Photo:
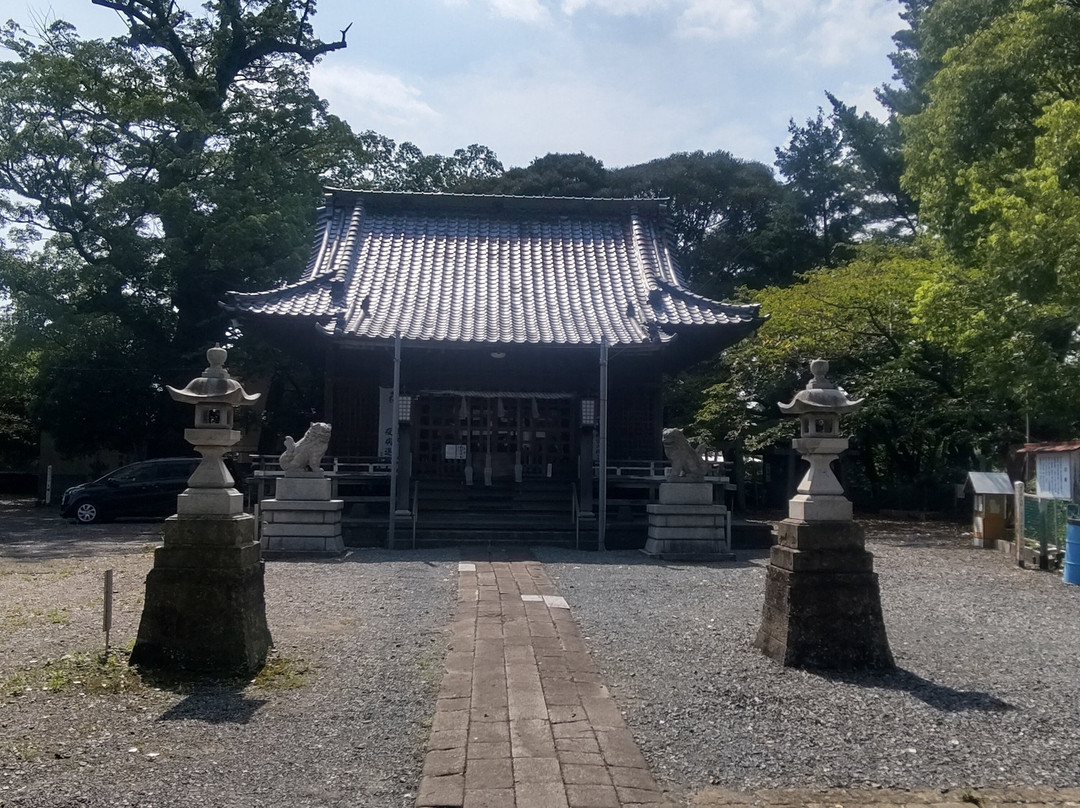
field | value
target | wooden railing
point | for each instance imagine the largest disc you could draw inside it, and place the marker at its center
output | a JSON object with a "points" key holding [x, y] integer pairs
{"points": [[342, 472]]}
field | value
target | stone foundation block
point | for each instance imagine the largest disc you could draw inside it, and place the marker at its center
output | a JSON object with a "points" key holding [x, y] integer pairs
{"points": [[688, 532], [303, 488], [210, 502], [301, 506], [205, 608], [299, 527], [290, 529], [708, 533], [820, 508], [787, 558], [686, 493], [215, 531], [689, 550], [820, 535], [822, 600]]}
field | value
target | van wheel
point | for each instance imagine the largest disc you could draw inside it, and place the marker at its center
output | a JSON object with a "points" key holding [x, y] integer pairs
{"points": [[87, 513]]}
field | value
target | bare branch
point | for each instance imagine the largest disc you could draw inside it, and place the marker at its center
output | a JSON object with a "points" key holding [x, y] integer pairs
{"points": [[158, 23]]}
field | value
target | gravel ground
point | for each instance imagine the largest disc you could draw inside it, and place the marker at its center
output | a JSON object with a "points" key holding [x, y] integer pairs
{"points": [[359, 648], [987, 690]]}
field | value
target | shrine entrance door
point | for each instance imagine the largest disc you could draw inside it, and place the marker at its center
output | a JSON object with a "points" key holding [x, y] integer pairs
{"points": [[499, 436]]}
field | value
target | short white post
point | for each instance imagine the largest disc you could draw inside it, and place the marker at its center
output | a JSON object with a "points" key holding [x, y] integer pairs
{"points": [[106, 619]]}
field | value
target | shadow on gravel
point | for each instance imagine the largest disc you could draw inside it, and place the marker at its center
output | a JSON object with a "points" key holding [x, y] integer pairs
{"points": [[940, 697], [215, 704]]}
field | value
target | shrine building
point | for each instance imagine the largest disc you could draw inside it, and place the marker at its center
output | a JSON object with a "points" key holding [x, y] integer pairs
{"points": [[493, 348]]}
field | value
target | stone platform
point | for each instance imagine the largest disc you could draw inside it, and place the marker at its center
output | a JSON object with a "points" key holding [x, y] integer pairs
{"points": [[302, 518], [822, 602], [686, 526], [205, 609]]}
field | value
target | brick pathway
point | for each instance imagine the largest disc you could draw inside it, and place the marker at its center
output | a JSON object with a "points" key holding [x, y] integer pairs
{"points": [[523, 720]]}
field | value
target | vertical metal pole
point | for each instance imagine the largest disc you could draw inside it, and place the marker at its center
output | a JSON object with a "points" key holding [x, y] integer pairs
{"points": [[106, 620], [394, 440], [1018, 518], [48, 485], [602, 505]]}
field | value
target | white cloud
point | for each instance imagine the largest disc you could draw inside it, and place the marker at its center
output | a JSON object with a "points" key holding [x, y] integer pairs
{"points": [[710, 19], [522, 10], [620, 8], [845, 30], [370, 99]]}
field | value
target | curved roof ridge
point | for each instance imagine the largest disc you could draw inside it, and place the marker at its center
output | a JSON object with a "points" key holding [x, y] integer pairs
{"points": [[701, 300], [470, 268]]}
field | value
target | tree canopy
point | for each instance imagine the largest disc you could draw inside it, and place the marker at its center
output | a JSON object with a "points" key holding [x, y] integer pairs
{"points": [[144, 176], [992, 159]]}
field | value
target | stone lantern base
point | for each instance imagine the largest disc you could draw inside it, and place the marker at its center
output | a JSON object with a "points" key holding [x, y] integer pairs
{"points": [[822, 601], [205, 609]]}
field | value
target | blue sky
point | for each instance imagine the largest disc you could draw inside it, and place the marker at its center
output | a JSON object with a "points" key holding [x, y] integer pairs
{"points": [[625, 81]]}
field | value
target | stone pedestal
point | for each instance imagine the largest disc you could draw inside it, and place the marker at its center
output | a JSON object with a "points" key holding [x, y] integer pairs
{"points": [[205, 609], [822, 601], [687, 526], [301, 518]]}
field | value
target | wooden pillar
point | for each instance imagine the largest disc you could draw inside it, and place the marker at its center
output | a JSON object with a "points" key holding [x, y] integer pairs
{"points": [[585, 470], [395, 441], [404, 482], [601, 541]]}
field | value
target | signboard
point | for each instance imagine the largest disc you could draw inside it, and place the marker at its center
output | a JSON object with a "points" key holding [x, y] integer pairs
{"points": [[386, 421], [456, 451], [1053, 479]]}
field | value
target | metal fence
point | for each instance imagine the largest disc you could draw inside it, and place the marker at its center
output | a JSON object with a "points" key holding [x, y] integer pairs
{"points": [[1045, 520]]}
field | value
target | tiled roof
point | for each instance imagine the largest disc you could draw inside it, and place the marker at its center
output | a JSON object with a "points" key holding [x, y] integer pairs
{"points": [[494, 269]]}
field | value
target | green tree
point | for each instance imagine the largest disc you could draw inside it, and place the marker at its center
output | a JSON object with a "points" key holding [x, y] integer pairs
{"points": [[163, 169], [816, 165], [555, 174], [18, 432], [735, 225], [992, 159], [862, 317], [875, 150], [912, 70]]}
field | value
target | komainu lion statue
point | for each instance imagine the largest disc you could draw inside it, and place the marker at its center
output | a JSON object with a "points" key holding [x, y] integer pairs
{"points": [[307, 453], [688, 463]]}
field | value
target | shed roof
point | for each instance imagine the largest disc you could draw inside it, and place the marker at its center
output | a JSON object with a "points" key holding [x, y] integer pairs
{"points": [[1039, 448], [496, 269], [990, 482]]}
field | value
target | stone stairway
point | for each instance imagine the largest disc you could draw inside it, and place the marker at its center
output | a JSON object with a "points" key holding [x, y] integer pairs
{"points": [[533, 511]]}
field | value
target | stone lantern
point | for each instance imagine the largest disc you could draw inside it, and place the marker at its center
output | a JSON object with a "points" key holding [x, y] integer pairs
{"points": [[216, 395], [205, 607], [822, 601], [820, 497]]}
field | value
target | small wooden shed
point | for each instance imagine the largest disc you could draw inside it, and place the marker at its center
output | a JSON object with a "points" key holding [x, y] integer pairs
{"points": [[992, 490]]}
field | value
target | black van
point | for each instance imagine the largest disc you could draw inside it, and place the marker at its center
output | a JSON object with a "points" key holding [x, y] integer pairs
{"points": [[148, 488]]}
